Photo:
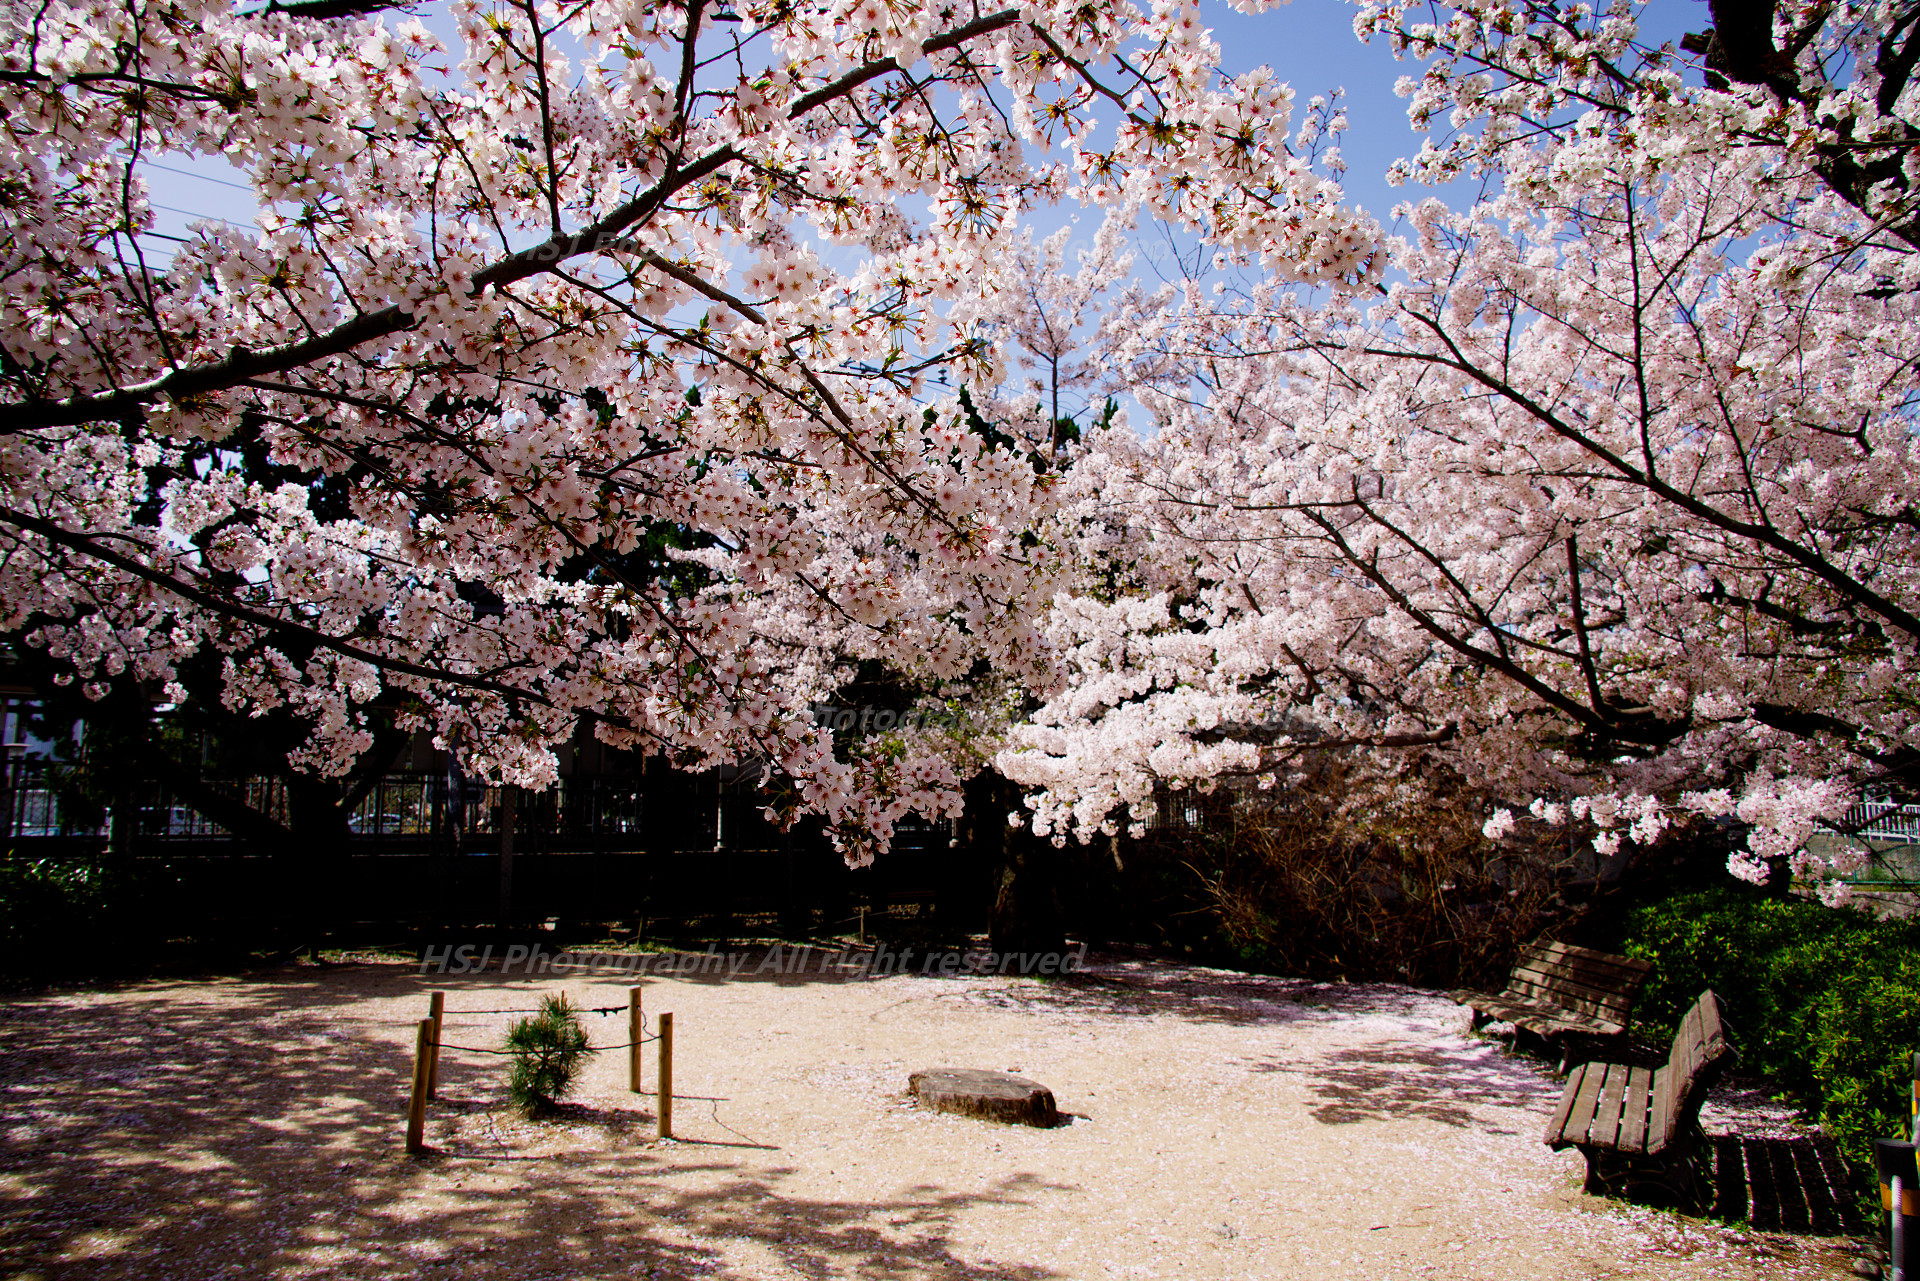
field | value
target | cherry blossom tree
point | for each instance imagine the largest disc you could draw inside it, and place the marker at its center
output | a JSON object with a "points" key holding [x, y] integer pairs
{"points": [[1825, 85], [578, 368], [1048, 318], [1605, 500]]}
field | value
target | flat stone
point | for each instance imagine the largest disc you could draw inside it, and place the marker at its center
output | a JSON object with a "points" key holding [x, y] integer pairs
{"points": [[991, 1096]]}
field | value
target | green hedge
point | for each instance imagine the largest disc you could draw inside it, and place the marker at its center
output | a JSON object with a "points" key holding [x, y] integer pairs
{"points": [[1824, 1003], [46, 902]]}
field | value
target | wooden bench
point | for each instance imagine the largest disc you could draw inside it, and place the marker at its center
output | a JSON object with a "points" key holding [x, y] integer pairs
{"points": [[1562, 993], [1639, 1128]]}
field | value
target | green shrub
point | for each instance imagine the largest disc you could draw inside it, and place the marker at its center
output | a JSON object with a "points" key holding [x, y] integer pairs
{"points": [[1825, 1004], [46, 901], [1863, 1043], [548, 1050]]}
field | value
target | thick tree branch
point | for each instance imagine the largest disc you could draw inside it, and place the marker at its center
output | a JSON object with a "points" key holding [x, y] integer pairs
{"points": [[1741, 49], [231, 813], [241, 364], [1607, 722], [272, 624], [1901, 761], [1580, 625], [1765, 535], [323, 9]]}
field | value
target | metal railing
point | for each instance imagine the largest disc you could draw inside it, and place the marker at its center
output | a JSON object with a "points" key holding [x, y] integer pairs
{"points": [[1884, 821], [405, 812], [36, 800]]}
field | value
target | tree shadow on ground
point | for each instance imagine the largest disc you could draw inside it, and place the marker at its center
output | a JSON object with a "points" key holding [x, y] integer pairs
{"points": [[1118, 982], [1453, 1084], [1122, 985], [174, 1131]]}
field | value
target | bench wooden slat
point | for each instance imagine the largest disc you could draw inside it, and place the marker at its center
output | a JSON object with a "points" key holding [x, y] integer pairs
{"points": [[1533, 983], [1538, 1014], [1594, 1076], [1633, 1120], [1684, 1059], [1713, 1034], [1559, 990], [1603, 1105], [1598, 976], [1604, 984], [1589, 959], [1587, 971], [1606, 1115], [1661, 1112], [1597, 987], [1598, 980], [1587, 1000], [1563, 1110]]}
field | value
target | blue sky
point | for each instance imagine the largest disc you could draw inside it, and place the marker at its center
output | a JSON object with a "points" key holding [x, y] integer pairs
{"points": [[1309, 42]]}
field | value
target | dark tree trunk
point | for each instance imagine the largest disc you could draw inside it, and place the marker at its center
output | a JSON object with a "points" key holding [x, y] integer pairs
{"points": [[123, 821], [230, 812], [509, 817], [1026, 914], [318, 850]]}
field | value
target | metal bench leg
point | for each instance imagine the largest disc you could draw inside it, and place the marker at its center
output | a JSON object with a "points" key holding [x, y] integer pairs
{"points": [[1596, 1182], [1672, 1179]]}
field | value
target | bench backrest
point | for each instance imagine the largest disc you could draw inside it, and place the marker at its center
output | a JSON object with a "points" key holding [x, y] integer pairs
{"points": [[1579, 978], [1702, 1051]]}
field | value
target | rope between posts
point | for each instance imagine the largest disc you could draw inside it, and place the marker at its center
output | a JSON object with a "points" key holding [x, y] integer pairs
{"points": [[471, 1014], [591, 1049], [426, 1061], [729, 1129]]}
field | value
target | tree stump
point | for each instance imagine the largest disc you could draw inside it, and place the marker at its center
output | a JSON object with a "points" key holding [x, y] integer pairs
{"points": [[991, 1096]]}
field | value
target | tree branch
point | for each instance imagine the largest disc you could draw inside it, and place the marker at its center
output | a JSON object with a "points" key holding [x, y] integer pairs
{"points": [[272, 624], [324, 9], [240, 364]]}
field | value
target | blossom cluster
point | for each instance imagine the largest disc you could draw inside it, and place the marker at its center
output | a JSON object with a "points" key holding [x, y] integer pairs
{"points": [[563, 381], [1604, 502]]}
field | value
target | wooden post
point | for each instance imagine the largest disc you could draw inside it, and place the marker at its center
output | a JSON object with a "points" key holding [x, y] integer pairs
{"points": [[436, 1010], [417, 1105], [634, 1024], [665, 1109]]}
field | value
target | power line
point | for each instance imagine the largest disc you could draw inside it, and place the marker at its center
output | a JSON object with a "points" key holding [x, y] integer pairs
{"points": [[188, 173], [194, 213]]}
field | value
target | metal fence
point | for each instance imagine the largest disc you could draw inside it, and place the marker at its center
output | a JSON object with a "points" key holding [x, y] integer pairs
{"points": [[1884, 821], [663, 846], [583, 813], [44, 806], [40, 799]]}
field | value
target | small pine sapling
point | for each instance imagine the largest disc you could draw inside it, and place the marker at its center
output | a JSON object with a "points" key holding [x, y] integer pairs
{"points": [[547, 1052]]}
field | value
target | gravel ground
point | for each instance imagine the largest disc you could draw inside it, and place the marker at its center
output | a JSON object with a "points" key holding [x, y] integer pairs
{"points": [[1222, 1126]]}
